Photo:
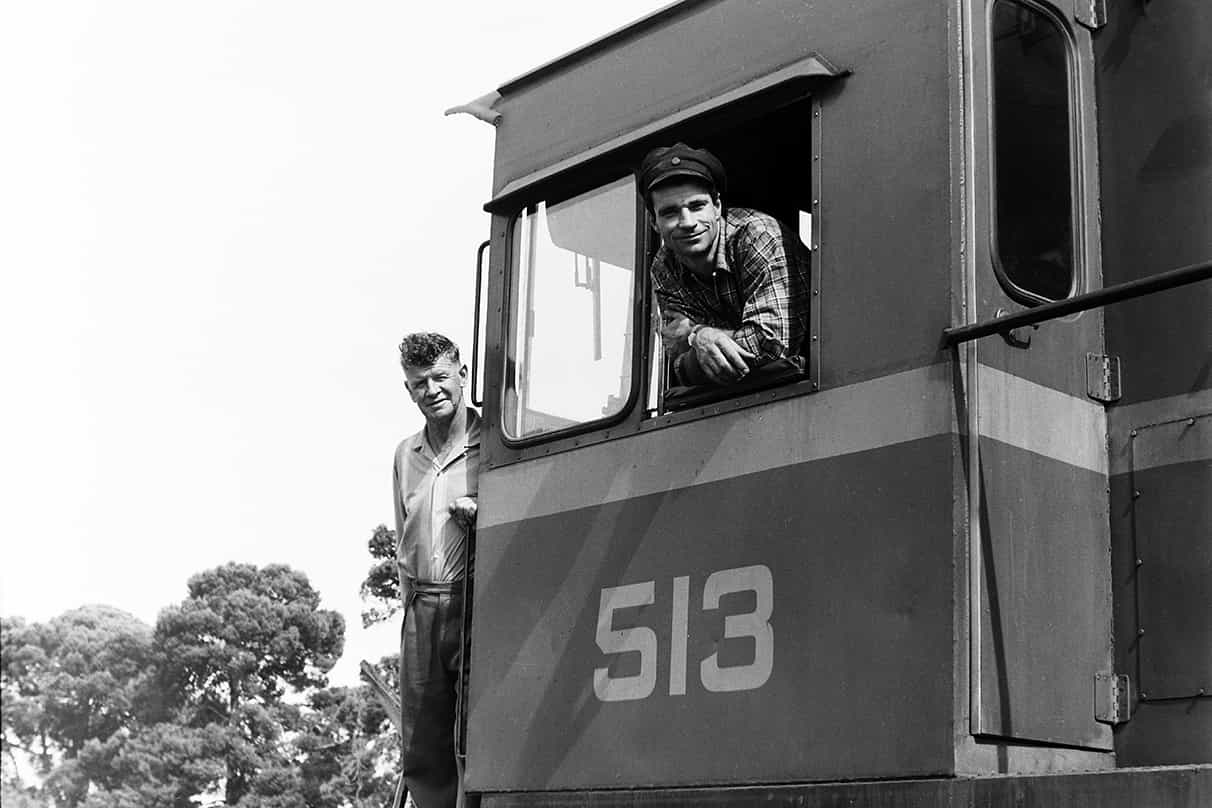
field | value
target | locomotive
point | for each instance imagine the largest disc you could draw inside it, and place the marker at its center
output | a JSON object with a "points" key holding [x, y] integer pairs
{"points": [[964, 556]]}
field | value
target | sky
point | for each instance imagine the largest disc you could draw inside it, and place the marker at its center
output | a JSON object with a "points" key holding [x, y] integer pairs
{"points": [[216, 222]]}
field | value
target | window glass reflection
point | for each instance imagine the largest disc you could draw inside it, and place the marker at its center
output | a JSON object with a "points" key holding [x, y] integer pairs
{"points": [[570, 336]]}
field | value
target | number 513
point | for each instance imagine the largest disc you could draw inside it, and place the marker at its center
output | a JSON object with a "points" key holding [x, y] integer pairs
{"points": [[642, 639]]}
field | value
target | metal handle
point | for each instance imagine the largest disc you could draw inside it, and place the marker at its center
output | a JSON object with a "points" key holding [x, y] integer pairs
{"points": [[1090, 300], [476, 399]]}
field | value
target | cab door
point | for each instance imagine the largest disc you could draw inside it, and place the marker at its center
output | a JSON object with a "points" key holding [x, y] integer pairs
{"points": [[1041, 559]]}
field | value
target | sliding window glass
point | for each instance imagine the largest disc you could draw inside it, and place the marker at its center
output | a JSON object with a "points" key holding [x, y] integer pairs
{"points": [[571, 317]]}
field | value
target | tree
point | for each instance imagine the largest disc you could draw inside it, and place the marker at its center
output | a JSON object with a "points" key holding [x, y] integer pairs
{"points": [[14, 795], [70, 681], [382, 582], [233, 647], [351, 748], [23, 666], [163, 765]]}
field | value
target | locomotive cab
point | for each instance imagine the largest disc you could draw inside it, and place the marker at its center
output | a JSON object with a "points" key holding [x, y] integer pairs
{"points": [[904, 562]]}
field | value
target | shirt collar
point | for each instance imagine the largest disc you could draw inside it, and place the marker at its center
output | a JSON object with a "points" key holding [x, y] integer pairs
{"points": [[466, 424]]}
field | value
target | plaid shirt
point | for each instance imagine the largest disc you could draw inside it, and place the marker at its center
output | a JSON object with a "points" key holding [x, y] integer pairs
{"points": [[759, 290]]}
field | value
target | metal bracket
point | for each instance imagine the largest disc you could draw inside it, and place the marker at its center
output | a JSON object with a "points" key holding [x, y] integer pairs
{"points": [[1091, 13], [1016, 337], [1102, 378], [1112, 698]]}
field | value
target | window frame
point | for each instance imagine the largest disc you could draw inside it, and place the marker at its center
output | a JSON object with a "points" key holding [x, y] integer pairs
{"points": [[808, 79], [1077, 203], [639, 322]]}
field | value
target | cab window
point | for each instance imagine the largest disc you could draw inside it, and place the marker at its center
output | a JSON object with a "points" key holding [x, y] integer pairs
{"points": [[569, 349], [765, 146], [1032, 155]]}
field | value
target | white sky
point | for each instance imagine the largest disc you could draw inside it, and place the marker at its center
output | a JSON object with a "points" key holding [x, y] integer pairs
{"points": [[216, 221]]}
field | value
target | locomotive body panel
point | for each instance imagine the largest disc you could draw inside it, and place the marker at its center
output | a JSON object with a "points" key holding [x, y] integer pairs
{"points": [[830, 581], [838, 575]]}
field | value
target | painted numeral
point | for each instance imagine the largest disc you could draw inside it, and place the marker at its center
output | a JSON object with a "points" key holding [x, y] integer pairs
{"points": [[755, 624], [679, 633], [642, 640]]}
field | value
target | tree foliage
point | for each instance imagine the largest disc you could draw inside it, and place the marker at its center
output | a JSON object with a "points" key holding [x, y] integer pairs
{"points": [[245, 632], [23, 667], [75, 679], [233, 647], [163, 765], [382, 583], [224, 702]]}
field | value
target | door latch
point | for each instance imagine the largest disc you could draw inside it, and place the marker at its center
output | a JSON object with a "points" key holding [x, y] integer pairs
{"points": [[1016, 337]]}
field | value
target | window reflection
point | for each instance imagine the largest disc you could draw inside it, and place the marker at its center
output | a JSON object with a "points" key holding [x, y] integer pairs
{"points": [[570, 336]]}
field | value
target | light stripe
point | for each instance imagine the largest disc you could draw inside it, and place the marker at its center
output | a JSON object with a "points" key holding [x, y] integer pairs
{"points": [[1042, 420], [1183, 441], [1145, 414], [872, 414]]}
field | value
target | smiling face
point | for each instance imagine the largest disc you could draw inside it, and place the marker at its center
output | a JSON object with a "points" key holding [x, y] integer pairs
{"points": [[437, 390], [686, 215]]}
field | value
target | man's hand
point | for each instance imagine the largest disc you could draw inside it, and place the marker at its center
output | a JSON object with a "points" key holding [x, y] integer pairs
{"points": [[674, 328], [720, 357], [463, 510]]}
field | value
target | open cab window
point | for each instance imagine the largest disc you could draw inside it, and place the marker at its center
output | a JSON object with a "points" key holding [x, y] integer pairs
{"points": [[765, 146], [569, 357]]}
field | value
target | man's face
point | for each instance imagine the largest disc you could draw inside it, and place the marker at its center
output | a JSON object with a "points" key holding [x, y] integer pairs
{"points": [[686, 215], [437, 389]]}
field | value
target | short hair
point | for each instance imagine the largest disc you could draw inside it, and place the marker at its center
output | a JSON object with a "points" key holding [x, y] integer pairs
{"points": [[423, 349]]}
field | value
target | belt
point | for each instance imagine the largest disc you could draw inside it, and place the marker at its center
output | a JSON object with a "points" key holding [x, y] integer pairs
{"points": [[436, 587]]}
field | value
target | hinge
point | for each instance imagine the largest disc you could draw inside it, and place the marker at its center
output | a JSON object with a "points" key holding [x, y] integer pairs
{"points": [[1102, 377], [1091, 13], [1112, 697]]}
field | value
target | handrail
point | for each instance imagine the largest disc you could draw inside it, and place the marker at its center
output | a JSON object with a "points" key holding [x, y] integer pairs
{"points": [[1090, 300], [388, 699], [476, 400]]}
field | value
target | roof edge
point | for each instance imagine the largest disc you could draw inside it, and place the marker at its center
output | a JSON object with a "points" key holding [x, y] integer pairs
{"points": [[601, 43]]}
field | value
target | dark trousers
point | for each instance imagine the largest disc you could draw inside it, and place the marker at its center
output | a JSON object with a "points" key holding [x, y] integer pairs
{"points": [[431, 647]]}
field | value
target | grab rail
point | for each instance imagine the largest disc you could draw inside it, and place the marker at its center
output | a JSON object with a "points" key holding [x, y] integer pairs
{"points": [[1090, 300], [476, 400]]}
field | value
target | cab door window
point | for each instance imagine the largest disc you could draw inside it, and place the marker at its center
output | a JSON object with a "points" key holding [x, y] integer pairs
{"points": [[1032, 154], [571, 321]]}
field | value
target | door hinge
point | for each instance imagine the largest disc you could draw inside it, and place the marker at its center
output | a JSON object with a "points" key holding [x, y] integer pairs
{"points": [[1112, 697], [1091, 13], [1102, 377]]}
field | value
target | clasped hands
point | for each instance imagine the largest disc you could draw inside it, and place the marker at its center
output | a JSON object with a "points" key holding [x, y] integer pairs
{"points": [[719, 356]]}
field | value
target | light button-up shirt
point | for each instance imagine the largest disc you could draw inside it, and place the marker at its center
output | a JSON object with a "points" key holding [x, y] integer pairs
{"points": [[430, 544]]}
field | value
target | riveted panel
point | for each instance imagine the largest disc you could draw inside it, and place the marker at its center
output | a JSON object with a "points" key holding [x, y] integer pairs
{"points": [[1172, 519]]}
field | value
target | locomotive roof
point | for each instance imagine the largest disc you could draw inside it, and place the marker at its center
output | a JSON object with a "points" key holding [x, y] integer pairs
{"points": [[601, 43]]}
